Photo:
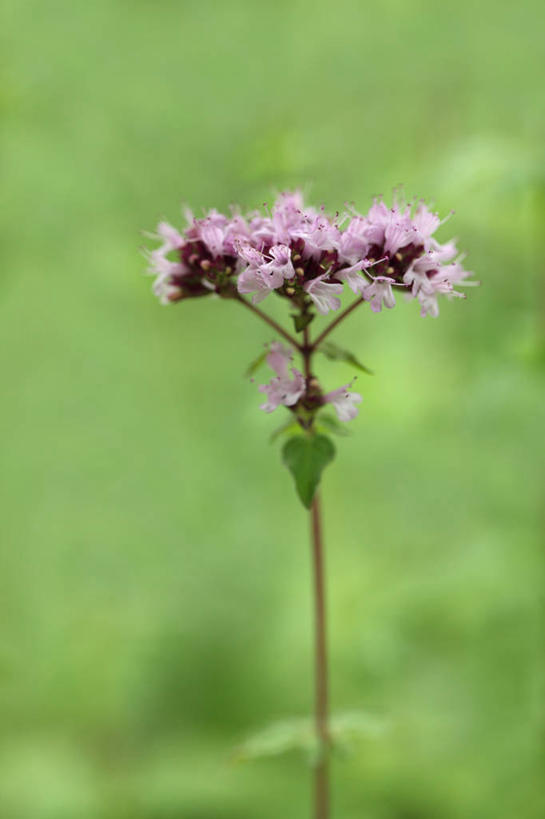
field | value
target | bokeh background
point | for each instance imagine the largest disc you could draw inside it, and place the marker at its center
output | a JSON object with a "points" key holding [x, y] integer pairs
{"points": [[155, 592]]}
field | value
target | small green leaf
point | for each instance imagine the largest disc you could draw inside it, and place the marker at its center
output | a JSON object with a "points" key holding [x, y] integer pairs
{"points": [[347, 731], [282, 737], [306, 457], [356, 728], [335, 353], [289, 426], [301, 321], [332, 424], [256, 363]]}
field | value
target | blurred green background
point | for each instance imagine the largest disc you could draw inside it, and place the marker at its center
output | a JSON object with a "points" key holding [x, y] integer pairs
{"points": [[154, 584]]}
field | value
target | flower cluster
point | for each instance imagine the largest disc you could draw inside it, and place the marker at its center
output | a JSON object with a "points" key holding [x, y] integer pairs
{"points": [[305, 256], [302, 254], [290, 391]]}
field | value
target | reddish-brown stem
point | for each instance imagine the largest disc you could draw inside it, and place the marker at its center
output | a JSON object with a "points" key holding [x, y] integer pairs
{"points": [[306, 352], [321, 769], [340, 317], [268, 320]]}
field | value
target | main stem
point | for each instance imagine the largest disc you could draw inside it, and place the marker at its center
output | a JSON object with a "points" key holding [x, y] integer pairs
{"points": [[321, 769]]}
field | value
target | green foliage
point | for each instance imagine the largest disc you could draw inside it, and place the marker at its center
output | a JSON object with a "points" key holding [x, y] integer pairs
{"points": [[331, 423], [302, 321], [291, 425], [347, 731], [336, 353], [278, 738], [306, 456], [258, 362]]}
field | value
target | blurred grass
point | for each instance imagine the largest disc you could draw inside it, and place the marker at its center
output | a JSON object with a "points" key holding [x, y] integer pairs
{"points": [[154, 577]]}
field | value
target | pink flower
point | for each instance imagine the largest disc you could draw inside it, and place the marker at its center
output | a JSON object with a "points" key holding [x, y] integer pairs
{"points": [[167, 272], [352, 276], [264, 274], [379, 293], [398, 233], [172, 239], [354, 242], [282, 389], [425, 222], [279, 358], [429, 278], [318, 234], [427, 296], [280, 266], [218, 233], [323, 294], [249, 254], [251, 281], [344, 402]]}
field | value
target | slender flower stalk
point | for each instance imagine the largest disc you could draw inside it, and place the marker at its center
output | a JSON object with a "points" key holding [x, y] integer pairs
{"points": [[268, 320], [337, 321], [304, 257]]}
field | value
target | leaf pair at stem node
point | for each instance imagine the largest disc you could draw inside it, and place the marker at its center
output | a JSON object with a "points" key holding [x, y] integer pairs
{"points": [[306, 456]]}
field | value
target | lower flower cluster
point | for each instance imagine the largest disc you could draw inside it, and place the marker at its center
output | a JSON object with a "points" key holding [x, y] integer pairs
{"points": [[303, 255], [290, 388]]}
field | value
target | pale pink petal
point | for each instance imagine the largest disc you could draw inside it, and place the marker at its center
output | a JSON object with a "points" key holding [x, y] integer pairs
{"points": [[323, 294]]}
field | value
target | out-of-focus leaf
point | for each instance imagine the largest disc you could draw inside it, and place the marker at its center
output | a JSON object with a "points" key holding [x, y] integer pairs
{"points": [[289, 426], [335, 353], [332, 424], [254, 365], [352, 727], [298, 735], [306, 457], [279, 738]]}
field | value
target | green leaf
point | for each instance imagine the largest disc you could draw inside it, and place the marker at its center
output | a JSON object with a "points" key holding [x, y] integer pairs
{"points": [[347, 731], [351, 732], [301, 321], [288, 426], [306, 457], [282, 737], [335, 353], [332, 424], [257, 363]]}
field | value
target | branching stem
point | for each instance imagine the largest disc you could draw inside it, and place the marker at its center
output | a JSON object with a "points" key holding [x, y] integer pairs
{"points": [[336, 322], [268, 320]]}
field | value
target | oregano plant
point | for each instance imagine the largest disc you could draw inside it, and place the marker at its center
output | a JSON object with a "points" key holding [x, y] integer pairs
{"points": [[307, 258]]}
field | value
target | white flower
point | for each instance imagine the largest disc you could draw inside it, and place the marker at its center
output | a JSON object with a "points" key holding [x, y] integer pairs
{"points": [[344, 402]]}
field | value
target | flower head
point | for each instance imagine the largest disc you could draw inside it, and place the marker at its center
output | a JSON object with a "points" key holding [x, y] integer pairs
{"points": [[344, 402], [282, 389], [303, 255]]}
